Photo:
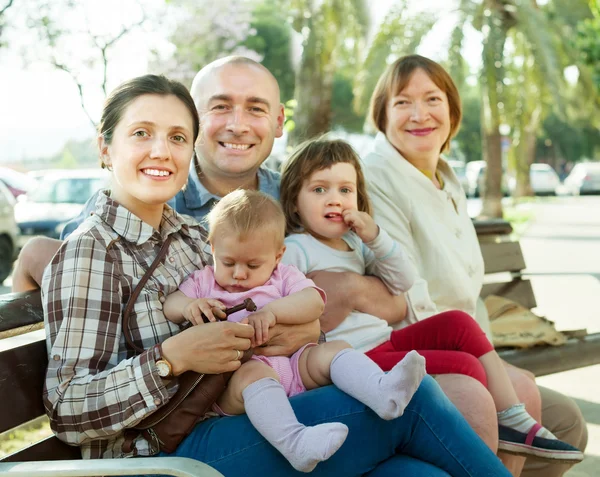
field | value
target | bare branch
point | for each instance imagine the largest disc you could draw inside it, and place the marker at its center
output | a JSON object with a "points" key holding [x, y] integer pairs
{"points": [[64, 68], [6, 7]]}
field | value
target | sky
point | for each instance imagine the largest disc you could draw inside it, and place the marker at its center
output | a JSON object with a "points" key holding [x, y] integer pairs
{"points": [[40, 107]]}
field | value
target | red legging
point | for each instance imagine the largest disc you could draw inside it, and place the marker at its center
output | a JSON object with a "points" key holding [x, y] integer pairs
{"points": [[451, 342]]}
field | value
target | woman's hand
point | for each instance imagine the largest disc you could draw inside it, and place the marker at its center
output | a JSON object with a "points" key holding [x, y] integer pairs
{"points": [[194, 310], [285, 340], [361, 223], [211, 348]]}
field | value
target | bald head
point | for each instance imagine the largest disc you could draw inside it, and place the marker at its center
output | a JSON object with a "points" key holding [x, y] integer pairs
{"points": [[211, 70]]}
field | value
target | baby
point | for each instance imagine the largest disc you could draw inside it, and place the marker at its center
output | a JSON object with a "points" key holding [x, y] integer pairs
{"points": [[246, 231]]}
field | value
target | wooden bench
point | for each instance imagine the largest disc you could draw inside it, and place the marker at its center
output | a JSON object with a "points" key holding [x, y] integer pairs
{"points": [[23, 361], [22, 369], [502, 255]]}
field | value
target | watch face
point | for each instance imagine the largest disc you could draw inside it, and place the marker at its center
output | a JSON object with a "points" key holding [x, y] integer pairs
{"points": [[163, 369]]}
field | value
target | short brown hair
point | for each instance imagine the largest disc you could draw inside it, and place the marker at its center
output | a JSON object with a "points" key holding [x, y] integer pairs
{"points": [[245, 212], [309, 157], [395, 78]]}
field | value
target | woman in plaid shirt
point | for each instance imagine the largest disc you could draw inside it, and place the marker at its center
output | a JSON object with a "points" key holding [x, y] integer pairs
{"points": [[96, 388]]}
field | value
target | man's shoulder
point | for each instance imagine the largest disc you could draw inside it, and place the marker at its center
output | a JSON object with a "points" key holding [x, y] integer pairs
{"points": [[268, 181]]}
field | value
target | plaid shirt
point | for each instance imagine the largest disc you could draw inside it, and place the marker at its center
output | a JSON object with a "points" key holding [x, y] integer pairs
{"points": [[95, 386]]}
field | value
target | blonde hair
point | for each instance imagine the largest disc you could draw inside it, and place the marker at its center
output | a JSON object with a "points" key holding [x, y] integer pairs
{"points": [[309, 157], [396, 77], [245, 212]]}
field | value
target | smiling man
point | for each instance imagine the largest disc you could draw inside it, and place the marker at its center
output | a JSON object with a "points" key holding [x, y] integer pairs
{"points": [[240, 117]]}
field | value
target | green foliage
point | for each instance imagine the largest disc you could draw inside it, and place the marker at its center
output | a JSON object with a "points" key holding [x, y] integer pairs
{"points": [[469, 135], [398, 35], [272, 41], [588, 41], [343, 114], [568, 140]]}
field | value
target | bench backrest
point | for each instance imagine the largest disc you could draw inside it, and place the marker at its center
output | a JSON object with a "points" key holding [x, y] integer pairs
{"points": [[22, 372], [502, 254]]}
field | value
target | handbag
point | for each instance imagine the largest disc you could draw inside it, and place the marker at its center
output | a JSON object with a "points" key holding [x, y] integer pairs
{"points": [[197, 392]]}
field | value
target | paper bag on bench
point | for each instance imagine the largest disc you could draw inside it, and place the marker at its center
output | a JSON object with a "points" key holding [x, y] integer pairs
{"points": [[513, 325]]}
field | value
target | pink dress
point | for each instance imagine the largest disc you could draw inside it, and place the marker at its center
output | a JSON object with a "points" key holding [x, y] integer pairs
{"points": [[285, 280]]}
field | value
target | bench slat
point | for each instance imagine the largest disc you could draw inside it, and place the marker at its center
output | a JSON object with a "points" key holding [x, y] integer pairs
{"points": [[20, 309], [502, 257], [492, 227], [518, 290], [21, 383], [543, 360]]}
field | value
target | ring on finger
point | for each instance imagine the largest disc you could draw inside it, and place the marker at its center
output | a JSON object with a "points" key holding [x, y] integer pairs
{"points": [[239, 354]]}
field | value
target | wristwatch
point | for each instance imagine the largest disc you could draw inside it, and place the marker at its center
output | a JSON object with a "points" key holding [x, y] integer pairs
{"points": [[163, 367]]}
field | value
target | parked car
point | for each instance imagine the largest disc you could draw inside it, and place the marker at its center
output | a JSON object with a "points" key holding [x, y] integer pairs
{"points": [[59, 197], [475, 172], [584, 179], [17, 182], [543, 179], [460, 169], [9, 232]]}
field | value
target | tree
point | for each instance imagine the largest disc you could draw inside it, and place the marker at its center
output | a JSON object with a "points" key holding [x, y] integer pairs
{"points": [[202, 34], [588, 40], [509, 26], [399, 34], [272, 41], [333, 32], [469, 134], [52, 22], [3, 9]]}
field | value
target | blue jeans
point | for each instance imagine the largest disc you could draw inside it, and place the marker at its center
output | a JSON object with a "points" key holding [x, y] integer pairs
{"points": [[430, 439]]}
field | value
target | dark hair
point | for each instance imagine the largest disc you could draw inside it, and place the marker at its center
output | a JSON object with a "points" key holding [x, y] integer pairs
{"points": [[124, 94], [396, 77], [309, 157]]}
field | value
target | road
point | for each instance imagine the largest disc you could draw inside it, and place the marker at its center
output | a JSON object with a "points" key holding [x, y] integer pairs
{"points": [[562, 251]]}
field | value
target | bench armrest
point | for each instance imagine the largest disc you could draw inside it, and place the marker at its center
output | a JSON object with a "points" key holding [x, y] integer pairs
{"points": [[174, 466]]}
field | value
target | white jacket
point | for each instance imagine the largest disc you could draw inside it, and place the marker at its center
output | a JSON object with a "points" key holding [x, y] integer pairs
{"points": [[432, 226]]}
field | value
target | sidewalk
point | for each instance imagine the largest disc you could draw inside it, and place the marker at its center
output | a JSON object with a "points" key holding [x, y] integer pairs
{"points": [[562, 253]]}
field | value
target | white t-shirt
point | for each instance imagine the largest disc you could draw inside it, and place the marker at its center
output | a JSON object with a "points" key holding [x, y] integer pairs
{"points": [[383, 257]]}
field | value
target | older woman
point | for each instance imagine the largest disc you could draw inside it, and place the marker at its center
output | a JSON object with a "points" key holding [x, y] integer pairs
{"points": [[419, 201]]}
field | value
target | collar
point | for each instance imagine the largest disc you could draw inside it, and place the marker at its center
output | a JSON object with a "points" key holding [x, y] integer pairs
{"points": [[130, 226], [391, 159], [197, 196]]}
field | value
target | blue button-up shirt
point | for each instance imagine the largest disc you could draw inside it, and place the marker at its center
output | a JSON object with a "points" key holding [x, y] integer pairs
{"points": [[193, 200]]}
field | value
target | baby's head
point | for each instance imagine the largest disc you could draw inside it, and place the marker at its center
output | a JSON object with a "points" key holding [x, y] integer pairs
{"points": [[246, 232], [321, 178]]}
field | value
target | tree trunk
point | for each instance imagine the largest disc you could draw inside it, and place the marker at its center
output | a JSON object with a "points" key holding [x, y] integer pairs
{"points": [[313, 91], [526, 153], [492, 94]]}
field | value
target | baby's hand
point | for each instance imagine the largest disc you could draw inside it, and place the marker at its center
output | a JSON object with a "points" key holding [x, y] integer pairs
{"points": [[261, 321], [361, 223], [193, 312]]}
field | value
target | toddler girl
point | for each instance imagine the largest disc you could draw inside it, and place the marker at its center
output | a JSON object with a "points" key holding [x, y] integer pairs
{"points": [[329, 220], [246, 232]]}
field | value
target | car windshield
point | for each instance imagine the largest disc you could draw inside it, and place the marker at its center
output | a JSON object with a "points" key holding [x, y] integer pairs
{"points": [[66, 190]]}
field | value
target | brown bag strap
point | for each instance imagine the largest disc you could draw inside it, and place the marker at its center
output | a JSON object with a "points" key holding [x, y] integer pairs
{"points": [[136, 292]]}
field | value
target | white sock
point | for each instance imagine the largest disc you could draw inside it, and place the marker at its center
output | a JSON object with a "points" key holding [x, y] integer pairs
{"points": [[387, 394], [517, 418], [269, 410]]}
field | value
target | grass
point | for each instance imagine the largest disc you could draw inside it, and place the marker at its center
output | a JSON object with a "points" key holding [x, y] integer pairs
{"points": [[519, 215], [24, 436]]}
